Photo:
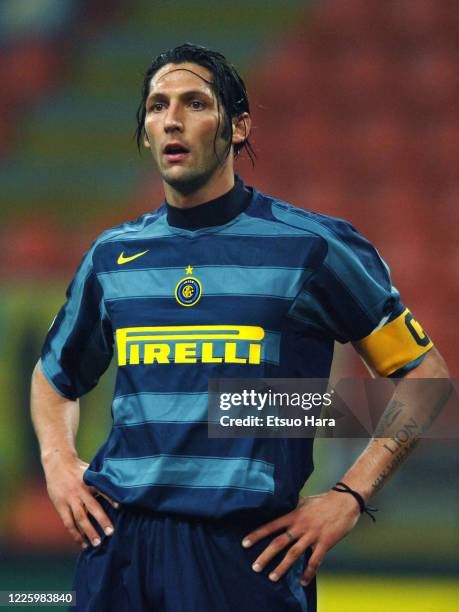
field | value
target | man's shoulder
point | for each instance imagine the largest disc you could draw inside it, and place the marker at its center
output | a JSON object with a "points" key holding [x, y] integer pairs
{"points": [[145, 226], [130, 229], [307, 221]]}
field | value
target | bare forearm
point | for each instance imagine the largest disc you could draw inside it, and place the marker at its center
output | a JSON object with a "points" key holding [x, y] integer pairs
{"points": [[56, 420], [54, 417], [418, 399]]}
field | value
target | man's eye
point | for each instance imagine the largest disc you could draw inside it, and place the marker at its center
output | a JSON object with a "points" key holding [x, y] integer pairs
{"points": [[157, 107], [197, 105]]}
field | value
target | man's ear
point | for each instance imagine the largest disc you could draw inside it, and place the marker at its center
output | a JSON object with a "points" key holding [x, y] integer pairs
{"points": [[241, 128], [146, 141]]}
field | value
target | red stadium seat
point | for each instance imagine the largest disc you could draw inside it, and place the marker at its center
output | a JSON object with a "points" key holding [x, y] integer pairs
{"points": [[416, 22], [431, 81], [29, 70]]}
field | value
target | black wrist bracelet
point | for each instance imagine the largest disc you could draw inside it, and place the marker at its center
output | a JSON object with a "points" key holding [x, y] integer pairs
{"points": [[342, 487]]}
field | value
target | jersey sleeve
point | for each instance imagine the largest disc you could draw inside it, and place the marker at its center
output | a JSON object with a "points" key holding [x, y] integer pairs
{"points": [[350, 298], [79, 344]]}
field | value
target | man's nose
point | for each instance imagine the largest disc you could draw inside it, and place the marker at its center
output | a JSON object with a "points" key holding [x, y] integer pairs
{"points": [[173, 120]]}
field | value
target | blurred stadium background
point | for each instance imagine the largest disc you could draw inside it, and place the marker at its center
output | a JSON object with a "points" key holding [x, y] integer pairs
{"points": [[356, 114]]}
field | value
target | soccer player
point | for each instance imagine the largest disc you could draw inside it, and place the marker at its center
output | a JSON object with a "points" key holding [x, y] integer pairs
{"points": [[220, 281]]}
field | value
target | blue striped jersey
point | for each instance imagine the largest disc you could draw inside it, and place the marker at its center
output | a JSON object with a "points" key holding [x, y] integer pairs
{"points": [[263, 291]]}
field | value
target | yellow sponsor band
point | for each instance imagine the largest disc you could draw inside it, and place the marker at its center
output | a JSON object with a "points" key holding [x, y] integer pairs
{"points": [[394, 345], [178, 344]]}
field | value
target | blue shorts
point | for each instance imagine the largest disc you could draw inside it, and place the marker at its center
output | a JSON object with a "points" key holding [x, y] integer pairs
{"points": [[164, 563]]}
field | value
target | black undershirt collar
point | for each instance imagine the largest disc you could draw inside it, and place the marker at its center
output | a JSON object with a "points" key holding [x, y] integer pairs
{"points": [[215, 212]]}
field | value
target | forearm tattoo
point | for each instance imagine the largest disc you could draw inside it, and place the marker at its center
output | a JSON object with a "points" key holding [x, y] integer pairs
{"points": [[402, 424]]}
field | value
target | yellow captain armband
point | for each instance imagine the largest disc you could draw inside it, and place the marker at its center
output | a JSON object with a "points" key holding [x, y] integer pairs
{"points": [[394, 345]]}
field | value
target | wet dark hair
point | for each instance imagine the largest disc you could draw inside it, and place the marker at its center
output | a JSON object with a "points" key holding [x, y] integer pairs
{"points": [[226, 83]]}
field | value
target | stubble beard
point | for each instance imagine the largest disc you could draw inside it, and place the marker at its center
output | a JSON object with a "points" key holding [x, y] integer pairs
{"points": [[192, 179]]}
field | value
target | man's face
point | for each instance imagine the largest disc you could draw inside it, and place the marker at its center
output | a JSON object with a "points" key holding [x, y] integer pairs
{"points": [[181, 122]]}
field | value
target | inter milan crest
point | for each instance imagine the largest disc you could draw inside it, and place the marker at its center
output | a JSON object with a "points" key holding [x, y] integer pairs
{"points": [[188, 290]]}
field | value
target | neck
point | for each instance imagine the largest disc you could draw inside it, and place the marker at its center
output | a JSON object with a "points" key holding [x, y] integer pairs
{"points": [[218, 211], [218, 184]]}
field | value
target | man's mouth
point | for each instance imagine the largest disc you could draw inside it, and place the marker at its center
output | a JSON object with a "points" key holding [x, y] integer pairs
{"points": [[175, 152]]}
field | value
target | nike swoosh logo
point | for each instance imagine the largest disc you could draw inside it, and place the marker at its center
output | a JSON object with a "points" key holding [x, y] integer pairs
{"points": [[122, 259]]}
